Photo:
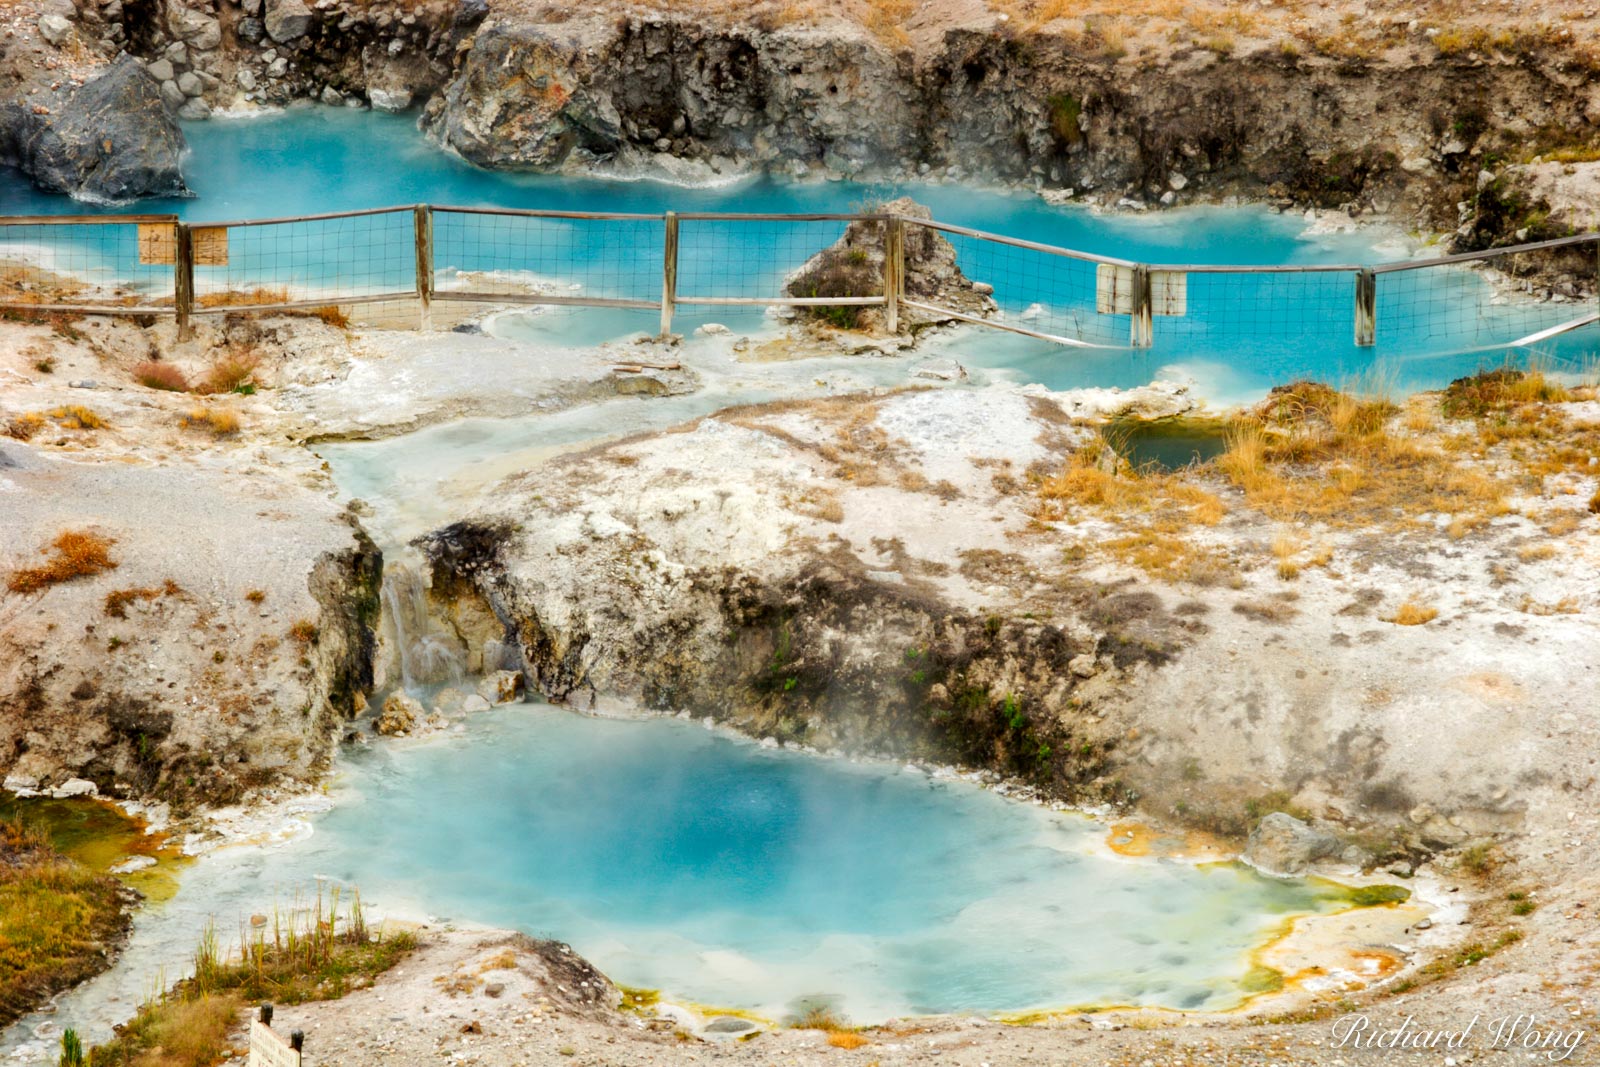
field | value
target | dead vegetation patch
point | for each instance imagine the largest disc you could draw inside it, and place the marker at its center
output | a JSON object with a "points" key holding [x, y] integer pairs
{"points": [[1313, 460], [117, 600], [77, 554]]}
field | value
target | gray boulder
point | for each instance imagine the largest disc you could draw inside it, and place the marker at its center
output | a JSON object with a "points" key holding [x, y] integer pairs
{"points": [[109, 140], [55, 29], [287, 20], [1283, 844], [199, 29]]}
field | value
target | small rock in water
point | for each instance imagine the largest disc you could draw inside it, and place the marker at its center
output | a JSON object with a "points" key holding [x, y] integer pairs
{"points": [[258, 920], [501, 687], [133, 863], [75, 787], [941, 370], [711, 329], [474, 702], [399, 715], [729, 1024]]}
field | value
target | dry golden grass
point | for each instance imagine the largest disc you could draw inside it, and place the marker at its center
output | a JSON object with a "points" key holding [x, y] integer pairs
{"points": [[886, 19], [219, 422], [1159, 511], [847, 1039], [1411, 613], [1531, 605], [331, 315], [23, 427], [77, 417], [1286, 544], [154, 375], [257, 297], [231, 372], [117, 600], [1313, 453], [22, 283], [78, 554]]}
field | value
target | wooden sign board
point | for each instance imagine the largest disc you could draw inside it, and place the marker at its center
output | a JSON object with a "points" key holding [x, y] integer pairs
{"points": [[267, 1049], [211, 246], [158, 245], [1113, 291]]}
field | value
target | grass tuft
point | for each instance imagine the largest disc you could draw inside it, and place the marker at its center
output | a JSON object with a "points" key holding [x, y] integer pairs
{"points": [[1410, 613], [312, 953], [219, 422], [78, 554], [164, 376], [77, 417], [233, 372], [55, 917]]}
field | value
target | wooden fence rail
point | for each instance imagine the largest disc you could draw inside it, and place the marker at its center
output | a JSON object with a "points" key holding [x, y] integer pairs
{"points": [[1142, 292]]}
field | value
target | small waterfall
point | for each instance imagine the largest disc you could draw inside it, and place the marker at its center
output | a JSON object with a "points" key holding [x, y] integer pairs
{"points": [[428, 654]]}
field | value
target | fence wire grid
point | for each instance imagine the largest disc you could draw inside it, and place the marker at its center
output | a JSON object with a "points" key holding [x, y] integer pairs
{"points": [[695, 265]]}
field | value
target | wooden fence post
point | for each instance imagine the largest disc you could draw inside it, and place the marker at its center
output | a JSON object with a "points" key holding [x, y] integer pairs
{"points": [[669, 273], [1366, 308], [1142, 321], [424, 266], [183, 278], [894, 271]]}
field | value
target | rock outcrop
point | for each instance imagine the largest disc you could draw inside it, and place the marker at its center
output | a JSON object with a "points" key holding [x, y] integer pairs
{"points": [[726, 575], [226, 645], [110, 140], [1283, 844], [854, 266]]}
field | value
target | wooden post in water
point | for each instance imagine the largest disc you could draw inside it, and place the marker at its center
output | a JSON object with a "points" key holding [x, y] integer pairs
{"points": [[1142, 325], [669, 273], [183, 277], [894, 271], [1366, 308], [424, 267]]}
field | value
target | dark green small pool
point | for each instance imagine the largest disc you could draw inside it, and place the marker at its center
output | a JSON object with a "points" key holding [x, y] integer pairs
{"points": [[1167, 444]]}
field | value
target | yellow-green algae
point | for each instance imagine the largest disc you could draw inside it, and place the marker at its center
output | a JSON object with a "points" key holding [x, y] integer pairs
{"points": [[99, 835]]}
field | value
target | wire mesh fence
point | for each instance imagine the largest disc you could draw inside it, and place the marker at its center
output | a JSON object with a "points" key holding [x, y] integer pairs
{"points": [[1453, 306], [1048, 292], [696, 264], [547, 257], [91, 262], [351, 257], [725, 259]]}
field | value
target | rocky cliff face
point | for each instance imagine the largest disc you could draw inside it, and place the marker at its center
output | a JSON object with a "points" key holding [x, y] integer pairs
{"points": [[1406, 127], [109, 140], [1379, 133]]}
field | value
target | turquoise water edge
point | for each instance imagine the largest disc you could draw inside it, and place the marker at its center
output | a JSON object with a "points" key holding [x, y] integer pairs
{"points": [[1241, 334]]}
